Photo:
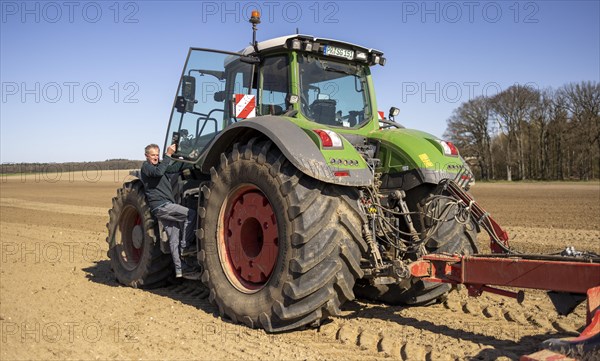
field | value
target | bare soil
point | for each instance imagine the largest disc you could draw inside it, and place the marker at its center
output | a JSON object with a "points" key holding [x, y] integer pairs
{"points": [[59, 299]]}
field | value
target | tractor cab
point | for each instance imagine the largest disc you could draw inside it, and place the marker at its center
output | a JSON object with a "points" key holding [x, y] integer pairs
{"points": [[313, 82]]}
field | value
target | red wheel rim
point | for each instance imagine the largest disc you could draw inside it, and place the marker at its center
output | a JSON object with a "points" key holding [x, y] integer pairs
{"points": [[249, 238], [137, 252], [129, 230]]}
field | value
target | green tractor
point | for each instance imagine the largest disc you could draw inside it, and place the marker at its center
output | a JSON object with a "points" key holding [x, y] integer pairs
{"points": [[306, 196]]}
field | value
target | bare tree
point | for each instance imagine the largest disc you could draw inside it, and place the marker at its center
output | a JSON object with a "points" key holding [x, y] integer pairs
{"points": [[512, 108], [542, 113], [582, 103], [468, 128]]}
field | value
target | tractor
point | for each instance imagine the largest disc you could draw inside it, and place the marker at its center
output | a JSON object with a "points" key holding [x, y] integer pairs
{"points": [[307, 196]]}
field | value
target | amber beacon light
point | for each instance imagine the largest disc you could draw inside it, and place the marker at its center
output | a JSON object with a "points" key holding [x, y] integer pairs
{"points": [[255, 17]]}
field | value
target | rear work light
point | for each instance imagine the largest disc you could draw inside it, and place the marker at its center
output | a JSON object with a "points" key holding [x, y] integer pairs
{"points": [[449, 148], [329, 139]]}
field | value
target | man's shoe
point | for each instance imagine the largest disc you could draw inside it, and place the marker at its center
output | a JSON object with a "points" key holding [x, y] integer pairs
{"points": [[178, 273], [189, 250], [190, 273]]}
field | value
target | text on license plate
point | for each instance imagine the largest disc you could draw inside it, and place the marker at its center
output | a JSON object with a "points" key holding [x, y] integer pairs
{"points": [[340, 52]]}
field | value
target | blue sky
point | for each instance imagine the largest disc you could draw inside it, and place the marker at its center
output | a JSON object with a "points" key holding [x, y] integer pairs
{"points": [[88, 81]]}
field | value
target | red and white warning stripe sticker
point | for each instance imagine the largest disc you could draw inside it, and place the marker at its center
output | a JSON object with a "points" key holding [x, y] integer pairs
{"points": [[380, 117], [245, 106]]}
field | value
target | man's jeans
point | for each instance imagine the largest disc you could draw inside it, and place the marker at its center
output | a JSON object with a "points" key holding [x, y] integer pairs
{"points": [[172, 216]]}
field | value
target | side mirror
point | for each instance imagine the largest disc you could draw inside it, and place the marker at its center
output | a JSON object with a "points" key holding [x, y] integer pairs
{"points": [[394, 112], [185, 102], [188, 88]]}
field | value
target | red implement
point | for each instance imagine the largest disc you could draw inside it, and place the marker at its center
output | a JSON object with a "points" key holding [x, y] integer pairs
{"points": [[560, 274]]}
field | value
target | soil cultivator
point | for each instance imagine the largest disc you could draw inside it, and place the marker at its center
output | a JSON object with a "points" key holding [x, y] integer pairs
{"points": [[308, 197]]}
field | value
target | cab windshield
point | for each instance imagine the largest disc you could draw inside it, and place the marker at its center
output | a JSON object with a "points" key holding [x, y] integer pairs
{"points": [[333, 93]]}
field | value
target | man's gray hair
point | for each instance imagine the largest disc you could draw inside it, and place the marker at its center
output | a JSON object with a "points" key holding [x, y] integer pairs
{"points": [[150, 146]]}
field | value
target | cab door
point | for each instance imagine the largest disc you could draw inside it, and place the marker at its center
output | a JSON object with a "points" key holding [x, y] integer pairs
{"points": [[202, 106]]}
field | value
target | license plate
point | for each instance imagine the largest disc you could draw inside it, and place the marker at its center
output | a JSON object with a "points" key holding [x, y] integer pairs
{"points": [[339, 52]]}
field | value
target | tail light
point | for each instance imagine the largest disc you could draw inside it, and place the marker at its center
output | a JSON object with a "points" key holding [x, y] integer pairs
{"points": [[329, 139], [449, 148]]}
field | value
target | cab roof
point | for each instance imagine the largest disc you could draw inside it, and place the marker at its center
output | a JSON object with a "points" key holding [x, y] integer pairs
{"points": [[283, 42]]}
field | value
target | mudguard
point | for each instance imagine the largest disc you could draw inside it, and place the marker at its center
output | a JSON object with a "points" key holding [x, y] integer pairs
{"points": [[295, 144]]}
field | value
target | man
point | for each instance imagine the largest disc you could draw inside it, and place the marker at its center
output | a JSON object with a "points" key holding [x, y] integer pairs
{"points": [[159, 194]]}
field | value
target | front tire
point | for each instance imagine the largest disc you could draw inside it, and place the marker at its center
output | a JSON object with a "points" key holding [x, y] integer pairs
{"points": [[134, 248], [280, 250]]}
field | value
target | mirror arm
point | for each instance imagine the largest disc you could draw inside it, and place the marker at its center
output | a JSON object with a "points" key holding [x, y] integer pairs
{"points": [[250, 59], [251, 79]]}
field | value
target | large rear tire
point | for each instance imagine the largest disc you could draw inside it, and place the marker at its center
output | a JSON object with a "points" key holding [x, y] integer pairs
{"points": [[134, 248], [280, 250], [451, 237]]}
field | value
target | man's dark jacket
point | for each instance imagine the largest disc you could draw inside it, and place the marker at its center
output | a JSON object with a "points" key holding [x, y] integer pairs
{"points": [[156, 182]]}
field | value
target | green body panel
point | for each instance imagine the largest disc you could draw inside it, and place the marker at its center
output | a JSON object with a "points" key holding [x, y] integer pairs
{"points": [[406, 149]]}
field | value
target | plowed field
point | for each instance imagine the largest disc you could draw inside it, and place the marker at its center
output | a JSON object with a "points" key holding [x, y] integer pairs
{"points": [[59, 299]]}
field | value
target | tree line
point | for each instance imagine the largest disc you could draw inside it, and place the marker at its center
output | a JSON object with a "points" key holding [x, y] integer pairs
{"points": [[527, 133], [109, 164]]}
